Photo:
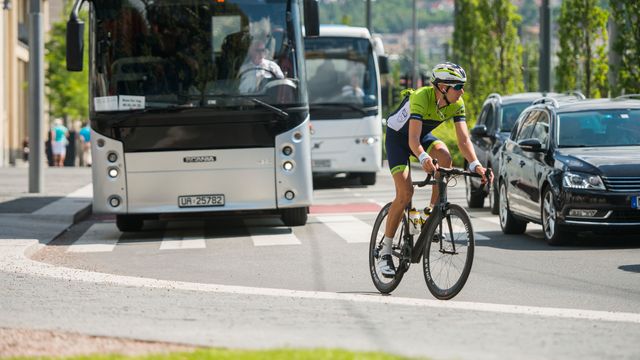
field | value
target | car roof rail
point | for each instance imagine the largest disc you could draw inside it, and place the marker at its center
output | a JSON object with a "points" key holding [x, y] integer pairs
{"points": [[545, 100], [495, 96], [577, 94], [628, 96]]}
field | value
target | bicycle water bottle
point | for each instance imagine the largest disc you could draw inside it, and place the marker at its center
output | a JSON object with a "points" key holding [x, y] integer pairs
{"points": [[424, 214], [414, 221]]}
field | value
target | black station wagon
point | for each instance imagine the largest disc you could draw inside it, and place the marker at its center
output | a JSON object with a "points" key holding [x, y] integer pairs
{"points": [[499, 114], [572, 166]]}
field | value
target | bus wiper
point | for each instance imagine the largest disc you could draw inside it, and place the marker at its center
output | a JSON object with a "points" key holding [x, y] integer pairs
{"points": [[274, 109], [355, 107]]}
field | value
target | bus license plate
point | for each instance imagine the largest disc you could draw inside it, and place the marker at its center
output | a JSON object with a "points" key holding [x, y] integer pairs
{"points": [[635, 202], [200, 200], [322, 163]]}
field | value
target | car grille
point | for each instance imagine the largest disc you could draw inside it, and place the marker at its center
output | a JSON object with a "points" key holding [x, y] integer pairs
{"points": [[622, 184], [625, 215]]}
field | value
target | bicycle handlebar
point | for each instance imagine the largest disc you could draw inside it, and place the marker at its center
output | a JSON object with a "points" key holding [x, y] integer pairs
{"points": [[449, 172]]}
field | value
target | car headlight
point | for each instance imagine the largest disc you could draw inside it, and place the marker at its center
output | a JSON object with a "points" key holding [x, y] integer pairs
{"points": [[575, 180]]}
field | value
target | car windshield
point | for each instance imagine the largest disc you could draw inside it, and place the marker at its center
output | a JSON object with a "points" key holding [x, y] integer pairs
{"points": [[510, 114], [609, 127]]}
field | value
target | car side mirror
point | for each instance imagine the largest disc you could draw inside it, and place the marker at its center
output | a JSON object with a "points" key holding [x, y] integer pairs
{"points": [[479, 131], [530, 145]]}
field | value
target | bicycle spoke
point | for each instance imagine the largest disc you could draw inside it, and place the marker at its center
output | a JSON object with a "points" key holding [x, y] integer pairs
{"points": [[447, 265]]}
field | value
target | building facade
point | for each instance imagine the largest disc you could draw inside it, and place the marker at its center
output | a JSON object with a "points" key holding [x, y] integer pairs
{"points": [[14, 70]]}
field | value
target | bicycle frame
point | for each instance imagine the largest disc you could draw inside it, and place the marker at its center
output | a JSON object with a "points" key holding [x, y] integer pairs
{"points": [[439, 210]]}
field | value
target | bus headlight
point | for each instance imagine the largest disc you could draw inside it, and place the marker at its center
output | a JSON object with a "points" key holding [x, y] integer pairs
{"points": [[287, 150], [114, 201], [289, 195], [367, 140], [112, 157], [288, 165], [113, 172]]}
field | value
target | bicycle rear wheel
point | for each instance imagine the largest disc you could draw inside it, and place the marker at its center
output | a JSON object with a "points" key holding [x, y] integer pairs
{"points": [[448, 253], [386, 285]]}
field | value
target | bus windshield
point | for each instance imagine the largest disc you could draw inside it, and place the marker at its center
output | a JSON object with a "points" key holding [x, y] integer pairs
{"points": [[341, 70], [193, 53]]}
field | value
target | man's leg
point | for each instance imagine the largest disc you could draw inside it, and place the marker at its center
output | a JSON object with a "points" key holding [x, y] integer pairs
{"points": [[404, 192], [438, 150]]}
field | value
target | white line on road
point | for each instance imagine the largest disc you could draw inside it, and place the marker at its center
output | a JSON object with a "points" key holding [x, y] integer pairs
{"points": [[350, 228], [176, 239], [100, 237], [270, 235], [61, 206], [12, 259]]}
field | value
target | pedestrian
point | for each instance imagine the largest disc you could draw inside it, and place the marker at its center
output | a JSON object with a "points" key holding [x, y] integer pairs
{"points": [[59, 142], [85, 139]]}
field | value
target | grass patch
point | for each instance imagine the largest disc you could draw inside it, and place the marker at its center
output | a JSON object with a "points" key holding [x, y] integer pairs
{"points": [[203, 354]]}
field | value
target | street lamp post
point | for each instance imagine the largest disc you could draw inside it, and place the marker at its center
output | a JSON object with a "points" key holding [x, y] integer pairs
{"points": [[545, 47], [36, 97]]}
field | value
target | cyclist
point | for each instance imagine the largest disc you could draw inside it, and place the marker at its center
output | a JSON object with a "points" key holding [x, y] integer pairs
{"points": [[409, 132]]}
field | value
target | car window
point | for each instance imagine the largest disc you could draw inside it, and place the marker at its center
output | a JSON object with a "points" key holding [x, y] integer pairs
{"points": [[510, 114], [541, 129], [605, 127], [490, 119], [483, 114], [527, 126]]}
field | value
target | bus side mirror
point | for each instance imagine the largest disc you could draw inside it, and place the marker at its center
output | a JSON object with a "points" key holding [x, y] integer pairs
{"points": [[75, 44], [311, 18], [383, 64]]}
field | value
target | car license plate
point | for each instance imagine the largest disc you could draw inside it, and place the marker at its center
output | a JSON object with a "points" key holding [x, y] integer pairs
{"points": [[635, 200], [322, 163], [200, 200]]}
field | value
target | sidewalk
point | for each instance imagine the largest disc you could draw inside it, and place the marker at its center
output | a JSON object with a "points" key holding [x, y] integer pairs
{"points": [[65, 199]]}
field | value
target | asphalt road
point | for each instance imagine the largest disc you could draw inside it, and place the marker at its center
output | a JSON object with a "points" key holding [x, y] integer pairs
{"points": [[255, 283]]}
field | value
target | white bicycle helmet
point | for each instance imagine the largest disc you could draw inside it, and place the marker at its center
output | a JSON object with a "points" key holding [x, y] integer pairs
{"points": [[448, 73]]}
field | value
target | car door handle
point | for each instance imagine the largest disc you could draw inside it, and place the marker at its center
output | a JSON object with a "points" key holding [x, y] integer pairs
{"points": [[522, 163]]}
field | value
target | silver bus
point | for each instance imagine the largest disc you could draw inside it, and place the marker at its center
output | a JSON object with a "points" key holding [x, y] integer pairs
{"points": [[175, 129], [344, 65]]}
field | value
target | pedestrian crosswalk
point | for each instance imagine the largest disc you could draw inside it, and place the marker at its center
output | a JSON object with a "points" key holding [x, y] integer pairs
{"points": [[349, 229]]}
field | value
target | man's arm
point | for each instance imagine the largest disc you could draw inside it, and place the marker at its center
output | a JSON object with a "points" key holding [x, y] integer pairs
{"points": [[466, 147]]}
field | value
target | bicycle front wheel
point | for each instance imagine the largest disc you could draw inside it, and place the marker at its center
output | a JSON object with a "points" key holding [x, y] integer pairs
{"points": [[386, 285], [448, 253]]}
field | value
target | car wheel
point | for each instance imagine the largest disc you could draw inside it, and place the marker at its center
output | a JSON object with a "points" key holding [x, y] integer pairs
{"points": [[494, 199], [475, 197], [508, 223], [552, 232]]}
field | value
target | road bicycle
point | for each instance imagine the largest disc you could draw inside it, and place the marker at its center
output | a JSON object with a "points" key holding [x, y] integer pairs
{"points": [[445, 239]]}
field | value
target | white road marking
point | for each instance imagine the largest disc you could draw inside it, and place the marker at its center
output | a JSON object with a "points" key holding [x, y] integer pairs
{"points": [[13, 259], [350, 228], [270, 235], [61, 206], [176, 240], [492, 219], [100, 237]]}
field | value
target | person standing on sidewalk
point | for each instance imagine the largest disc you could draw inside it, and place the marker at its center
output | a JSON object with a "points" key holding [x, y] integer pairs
{"points": [[59, 141], [85, 145]]}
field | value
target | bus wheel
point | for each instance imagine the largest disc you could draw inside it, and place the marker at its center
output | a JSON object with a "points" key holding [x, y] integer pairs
{"points": [[368, 178], [129, 222], [295, 216]]}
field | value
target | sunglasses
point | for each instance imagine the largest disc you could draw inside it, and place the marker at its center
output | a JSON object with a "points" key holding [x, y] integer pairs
{"points": [[458, 87]]}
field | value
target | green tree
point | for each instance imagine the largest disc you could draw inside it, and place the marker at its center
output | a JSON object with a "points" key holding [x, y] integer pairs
{"points": [[626, 16], [583, 36], [67, 92]]}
